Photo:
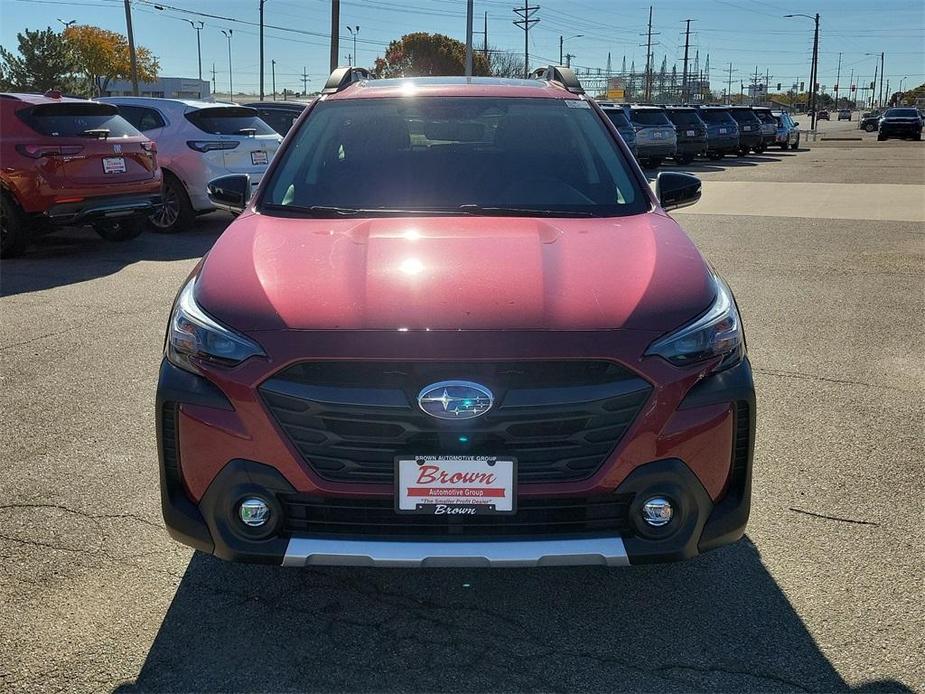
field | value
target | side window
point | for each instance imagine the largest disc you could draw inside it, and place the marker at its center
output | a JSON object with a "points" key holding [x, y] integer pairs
{"points": [[132, 114], [149, 120]]}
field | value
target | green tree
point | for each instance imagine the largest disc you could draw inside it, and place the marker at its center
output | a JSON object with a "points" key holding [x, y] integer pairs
{"points": [[45, 61], [421, 54]]}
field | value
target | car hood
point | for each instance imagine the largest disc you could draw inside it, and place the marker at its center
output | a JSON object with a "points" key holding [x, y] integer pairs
{"points": [[454, 273]]}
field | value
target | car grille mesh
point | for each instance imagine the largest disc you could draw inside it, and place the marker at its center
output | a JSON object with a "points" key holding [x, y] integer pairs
{"points": [[559, 419], [377, 518]]}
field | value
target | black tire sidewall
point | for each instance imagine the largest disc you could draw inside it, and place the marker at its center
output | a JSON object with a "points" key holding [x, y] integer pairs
{"points": [[17, 228], [185, 214]]}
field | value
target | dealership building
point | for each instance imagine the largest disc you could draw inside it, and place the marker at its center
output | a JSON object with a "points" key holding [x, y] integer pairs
{"points": [[164, 88]]}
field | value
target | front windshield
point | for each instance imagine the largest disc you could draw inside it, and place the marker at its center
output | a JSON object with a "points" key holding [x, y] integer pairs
{"points": [[902, 113], [460, 155]]}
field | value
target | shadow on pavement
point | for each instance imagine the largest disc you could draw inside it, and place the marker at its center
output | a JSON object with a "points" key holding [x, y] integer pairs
{"points": [[77, 254], [716, 623]]}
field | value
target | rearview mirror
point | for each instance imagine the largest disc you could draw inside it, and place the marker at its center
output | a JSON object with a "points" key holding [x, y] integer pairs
{"points": [[230, 192], [675, 190]]}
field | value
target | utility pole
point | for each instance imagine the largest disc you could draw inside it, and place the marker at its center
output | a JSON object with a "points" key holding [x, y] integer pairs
{"points": [[228, 33], [837, 80], [131, 47], [648, 89], [525, 22], [568, 59], [485, 38], [335, 37], [873, 85], [767, 85], [687, 44], [470, 11], [880, 100], [304, 81], [729, 88], [261, 48], [850, 90], [755, 85], [815, 71], [273, 72], [887, 90], [213, 78]]}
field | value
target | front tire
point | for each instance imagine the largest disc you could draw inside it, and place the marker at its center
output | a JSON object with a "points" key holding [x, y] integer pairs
{"points": [[796, 145], [121, 230], [176, 212], [870, 127], [14, 229]]}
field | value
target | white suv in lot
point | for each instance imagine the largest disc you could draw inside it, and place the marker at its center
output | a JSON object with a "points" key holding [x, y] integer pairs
{"points": [[198, 141]]}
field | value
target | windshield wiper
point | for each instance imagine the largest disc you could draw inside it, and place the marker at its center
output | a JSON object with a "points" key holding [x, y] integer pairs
{"points": [[520, 212], [98, 133], [332, 211]]}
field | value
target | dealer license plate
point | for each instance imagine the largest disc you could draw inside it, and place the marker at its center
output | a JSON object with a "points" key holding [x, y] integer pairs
{"points": [[113, 165], [259, 158], [747, 127], [455, 485], [690, 133], [722, 131]]}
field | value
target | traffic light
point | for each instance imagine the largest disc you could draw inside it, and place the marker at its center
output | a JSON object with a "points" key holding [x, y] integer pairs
{"points": [[802, 86], [778, 86], [854, 87]]}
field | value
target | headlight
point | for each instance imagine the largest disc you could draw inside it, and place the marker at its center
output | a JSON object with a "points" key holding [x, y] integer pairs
{"points": [[717, 333], [193, 333]]}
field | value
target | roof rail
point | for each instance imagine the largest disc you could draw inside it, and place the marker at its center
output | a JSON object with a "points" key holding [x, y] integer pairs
{"points": [[343, 77], [559, 73]]}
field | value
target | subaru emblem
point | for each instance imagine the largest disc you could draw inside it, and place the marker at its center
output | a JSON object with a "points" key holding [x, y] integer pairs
{"points": [[455, 400]]}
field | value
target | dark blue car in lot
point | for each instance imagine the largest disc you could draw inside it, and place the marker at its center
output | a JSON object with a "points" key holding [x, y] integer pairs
{"points": [[621, 121]]}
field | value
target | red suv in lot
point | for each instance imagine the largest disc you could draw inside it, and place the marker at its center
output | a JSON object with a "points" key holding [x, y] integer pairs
{"points": [[69, 161], [455, 326]]}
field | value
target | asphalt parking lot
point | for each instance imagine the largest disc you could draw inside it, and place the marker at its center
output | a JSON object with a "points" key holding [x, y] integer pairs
{"points": [[825, 593]]}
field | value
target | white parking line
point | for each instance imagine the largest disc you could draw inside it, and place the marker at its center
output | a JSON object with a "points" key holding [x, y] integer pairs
{"points": [[874, 201]]}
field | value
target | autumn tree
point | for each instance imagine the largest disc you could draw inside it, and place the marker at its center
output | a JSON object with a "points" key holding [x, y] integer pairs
{"points": [[44, 62], [101, 55], [421, 54]]}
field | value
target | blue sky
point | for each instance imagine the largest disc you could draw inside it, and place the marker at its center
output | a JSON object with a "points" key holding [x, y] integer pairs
{"points": [[747, 33]]}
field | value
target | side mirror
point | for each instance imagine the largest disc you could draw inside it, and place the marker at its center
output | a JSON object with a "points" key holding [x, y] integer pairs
{"points": [[230, 193], [796, 124], [675, 190]]}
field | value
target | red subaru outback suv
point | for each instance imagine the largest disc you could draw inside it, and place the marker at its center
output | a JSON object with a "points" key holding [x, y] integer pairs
{"points": [[71, 161], [455, 327]]}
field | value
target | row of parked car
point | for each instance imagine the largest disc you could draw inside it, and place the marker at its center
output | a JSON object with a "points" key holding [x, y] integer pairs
{"points": [[123, 163], [681, 133]]}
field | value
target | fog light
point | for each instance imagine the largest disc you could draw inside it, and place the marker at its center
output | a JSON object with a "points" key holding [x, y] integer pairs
{"points": [[657, 512], [254, 512]]}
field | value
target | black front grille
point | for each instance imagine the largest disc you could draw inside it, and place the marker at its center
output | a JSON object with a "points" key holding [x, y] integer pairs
{"points": [[376, 518], [559, 419]]}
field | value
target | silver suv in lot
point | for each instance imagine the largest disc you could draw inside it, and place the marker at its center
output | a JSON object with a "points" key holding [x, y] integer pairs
{"points": [[656, 137], [198, 141], [788, 132]]}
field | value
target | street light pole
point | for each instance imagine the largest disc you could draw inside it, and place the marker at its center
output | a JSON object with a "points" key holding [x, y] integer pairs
{"points": [[228, 33], [273, 71], [562, 40], [881, 79], [353, 33], [813, 75], [198, 44], [68, 24], [470, 11]]}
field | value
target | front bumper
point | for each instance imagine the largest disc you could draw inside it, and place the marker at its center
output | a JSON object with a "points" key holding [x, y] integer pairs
{"points": [[900, 130], [702, 522]]}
